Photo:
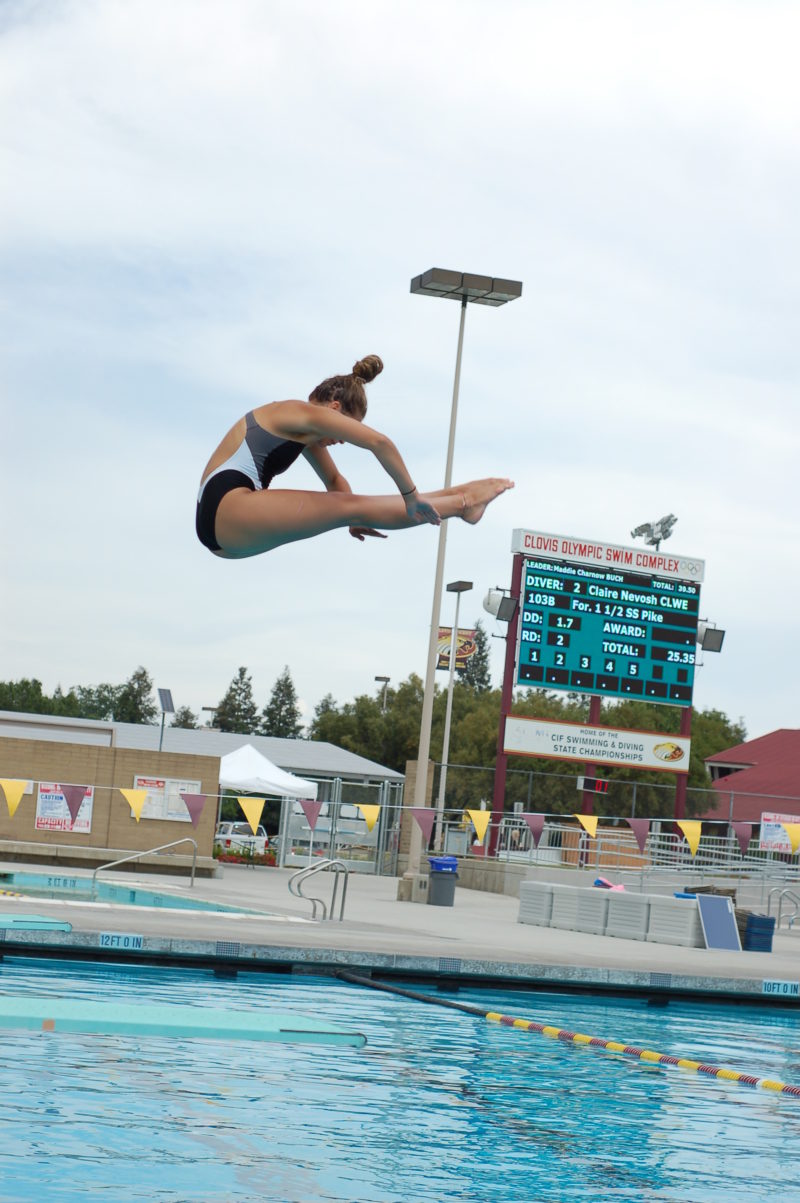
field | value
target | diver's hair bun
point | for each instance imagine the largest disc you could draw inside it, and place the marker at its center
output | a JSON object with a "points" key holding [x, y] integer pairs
{"points": [[368, 368]]}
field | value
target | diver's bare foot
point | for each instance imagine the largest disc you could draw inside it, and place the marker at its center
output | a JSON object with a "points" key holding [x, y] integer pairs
{"points": [[479, 493]]}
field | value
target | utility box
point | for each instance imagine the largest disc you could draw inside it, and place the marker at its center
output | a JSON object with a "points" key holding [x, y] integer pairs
{"points": [[419, 887]]}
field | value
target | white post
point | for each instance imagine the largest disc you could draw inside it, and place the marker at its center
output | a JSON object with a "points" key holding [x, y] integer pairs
{"points": [[446, 738], [423, 754]]}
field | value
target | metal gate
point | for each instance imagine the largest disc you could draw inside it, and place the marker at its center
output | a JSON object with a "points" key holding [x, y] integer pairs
{"points": [[341, 831]]}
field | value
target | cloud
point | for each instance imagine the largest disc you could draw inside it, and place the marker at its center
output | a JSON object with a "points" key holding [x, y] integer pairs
{"points": [[217, 206]]}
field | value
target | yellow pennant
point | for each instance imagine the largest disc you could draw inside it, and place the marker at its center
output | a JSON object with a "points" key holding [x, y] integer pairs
{"points": [[370, 813], [136, 799], [13, 791], [480, 821], [793, 832], [252, 808], [692, 829], [590, 824]]}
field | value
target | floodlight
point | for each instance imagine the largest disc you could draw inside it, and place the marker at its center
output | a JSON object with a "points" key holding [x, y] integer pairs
{"points": [[709, 637], [507, 609]]}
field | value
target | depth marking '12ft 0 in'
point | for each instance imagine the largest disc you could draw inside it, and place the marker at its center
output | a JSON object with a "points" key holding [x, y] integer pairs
{"points": [[596, 630]]}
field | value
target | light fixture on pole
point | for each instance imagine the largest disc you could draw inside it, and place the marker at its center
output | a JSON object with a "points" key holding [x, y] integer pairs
{"points": [[709, 636], [480, 290], [457, 587], [385, 681], [654, 533], [167, 707], [498, 603]]}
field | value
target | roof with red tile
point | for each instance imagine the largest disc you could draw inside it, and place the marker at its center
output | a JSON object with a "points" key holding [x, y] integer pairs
{"points": [[766, 777]]}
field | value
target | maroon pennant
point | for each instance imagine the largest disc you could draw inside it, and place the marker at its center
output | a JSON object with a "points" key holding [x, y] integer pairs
{"points": [[536, 825], [424, 817], [194, 805], [744, 834], [641, 829], [73, 796], [311, 810]]}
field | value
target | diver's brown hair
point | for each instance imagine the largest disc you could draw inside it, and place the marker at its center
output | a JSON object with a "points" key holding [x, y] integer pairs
{"points": [[349, 390]]}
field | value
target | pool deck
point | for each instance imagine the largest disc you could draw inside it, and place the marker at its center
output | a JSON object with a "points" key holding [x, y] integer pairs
{"points": [[478, 937]]}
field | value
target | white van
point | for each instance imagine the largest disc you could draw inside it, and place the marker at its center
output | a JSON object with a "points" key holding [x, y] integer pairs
{"points": [[238, 837]]}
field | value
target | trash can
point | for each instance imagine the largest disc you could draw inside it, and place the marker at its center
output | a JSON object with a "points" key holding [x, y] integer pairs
{"points": [[442, 891]]}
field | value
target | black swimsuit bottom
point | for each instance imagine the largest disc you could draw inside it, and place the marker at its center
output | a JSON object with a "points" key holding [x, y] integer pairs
{"points": [[213, 492]]}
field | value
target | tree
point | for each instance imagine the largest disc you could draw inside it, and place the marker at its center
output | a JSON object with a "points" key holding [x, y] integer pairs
{"points": [[475, 672], [184, 717], [65, 704], [98, 701], [281, 715], [24, 696], [237, 711], [135, 702]]}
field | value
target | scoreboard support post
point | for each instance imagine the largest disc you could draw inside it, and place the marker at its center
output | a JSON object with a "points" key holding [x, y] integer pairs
{"points": [[682, 779], [509, 666], [595, 702]]}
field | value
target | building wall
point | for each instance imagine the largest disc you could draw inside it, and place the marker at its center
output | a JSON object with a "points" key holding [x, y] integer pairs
{"points": [[107, 769]]}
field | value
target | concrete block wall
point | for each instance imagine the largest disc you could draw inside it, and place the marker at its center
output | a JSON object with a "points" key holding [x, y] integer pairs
{"points": [[106, 768]]}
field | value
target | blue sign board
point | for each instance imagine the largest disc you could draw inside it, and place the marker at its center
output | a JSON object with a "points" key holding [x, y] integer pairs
{"points": [[604, 631]]}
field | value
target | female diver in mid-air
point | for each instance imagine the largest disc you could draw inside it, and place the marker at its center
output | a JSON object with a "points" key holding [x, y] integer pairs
{"points": [[239, 515]]}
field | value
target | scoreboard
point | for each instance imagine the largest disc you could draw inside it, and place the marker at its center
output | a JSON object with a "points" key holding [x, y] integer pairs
{"points": [[604, 630]]}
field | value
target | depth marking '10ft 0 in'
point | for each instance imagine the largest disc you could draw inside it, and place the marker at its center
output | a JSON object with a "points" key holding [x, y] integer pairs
{"points": [[605, 632]]}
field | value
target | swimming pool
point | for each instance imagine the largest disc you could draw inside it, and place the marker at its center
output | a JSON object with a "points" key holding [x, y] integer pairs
{"points": [[438, 1106], [76, 888]]}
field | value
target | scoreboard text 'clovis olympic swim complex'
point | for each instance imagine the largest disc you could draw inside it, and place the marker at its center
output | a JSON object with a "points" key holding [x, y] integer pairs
{"points": [[603, 619]]}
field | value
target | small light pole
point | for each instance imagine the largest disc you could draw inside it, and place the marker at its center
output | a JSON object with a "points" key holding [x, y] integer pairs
{"points": [[457, 587], [385, 681], [479, 290], [167, 707]]}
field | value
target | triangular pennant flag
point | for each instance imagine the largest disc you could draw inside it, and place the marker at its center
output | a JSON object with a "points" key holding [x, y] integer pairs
{"points": [[73, 796], [13, 791], [692, 829], [194, 805], [793, 832], [136, 799], [589, 822], [536, 824], [311, 810], [744, 834], [370, 812], [424, 816], [252, 808], [641, 829], [480, 821]]}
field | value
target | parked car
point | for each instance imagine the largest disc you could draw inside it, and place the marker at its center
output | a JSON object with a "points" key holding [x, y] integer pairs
{"points": [[238, 837]]}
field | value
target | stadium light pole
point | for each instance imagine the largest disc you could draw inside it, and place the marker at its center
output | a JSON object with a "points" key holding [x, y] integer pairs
{"points": [[457, 587], [385, 682], [479, 290]]}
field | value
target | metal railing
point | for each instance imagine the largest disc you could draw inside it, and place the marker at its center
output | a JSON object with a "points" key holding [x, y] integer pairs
{"points": [[137, 855], [337, 867], [791, 896]]}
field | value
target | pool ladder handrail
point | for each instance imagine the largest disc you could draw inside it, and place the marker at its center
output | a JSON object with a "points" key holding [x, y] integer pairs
{"points": [[136, 855], [786, 892], [296, 886]]}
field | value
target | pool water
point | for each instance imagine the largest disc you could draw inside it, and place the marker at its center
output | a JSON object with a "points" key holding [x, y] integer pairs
{"points": [[439, 1105], [76, 888]]}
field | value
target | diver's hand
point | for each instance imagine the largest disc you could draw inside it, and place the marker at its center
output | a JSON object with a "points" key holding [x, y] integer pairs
{"points": [[421, 511], [360, 532]]}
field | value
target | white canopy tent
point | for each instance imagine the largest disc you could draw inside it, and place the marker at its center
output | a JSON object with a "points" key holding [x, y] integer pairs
{"points": [[247, 770]]}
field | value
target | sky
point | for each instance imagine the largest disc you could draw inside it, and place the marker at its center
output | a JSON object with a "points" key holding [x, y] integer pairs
{"points": [[212, 204]]}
